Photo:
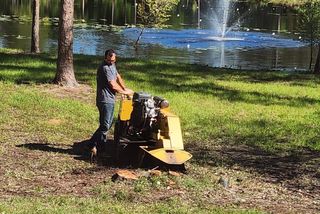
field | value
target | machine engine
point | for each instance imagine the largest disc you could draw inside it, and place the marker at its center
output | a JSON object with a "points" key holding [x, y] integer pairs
{"points": [[146, 122], [144, 116]]}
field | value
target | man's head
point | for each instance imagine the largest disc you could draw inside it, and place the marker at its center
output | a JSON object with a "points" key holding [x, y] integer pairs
{"points": [[110, 56]]}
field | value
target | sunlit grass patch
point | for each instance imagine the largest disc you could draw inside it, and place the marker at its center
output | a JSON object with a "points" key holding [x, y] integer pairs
{"points": [[71, 205], [46, 117]]}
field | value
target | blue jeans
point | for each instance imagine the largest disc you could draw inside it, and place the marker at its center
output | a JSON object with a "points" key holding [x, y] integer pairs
{"points": [[105, 120]]}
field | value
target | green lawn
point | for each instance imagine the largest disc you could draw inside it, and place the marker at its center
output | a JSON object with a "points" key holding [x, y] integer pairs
{"points": [[273, 110], [275, 113]]}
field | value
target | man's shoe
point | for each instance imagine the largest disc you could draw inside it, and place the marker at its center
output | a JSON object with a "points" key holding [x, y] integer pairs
{"points": [[104, 137]]}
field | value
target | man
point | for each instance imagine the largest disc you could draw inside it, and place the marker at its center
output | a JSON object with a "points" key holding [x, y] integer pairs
{"points": [[109, 82]]}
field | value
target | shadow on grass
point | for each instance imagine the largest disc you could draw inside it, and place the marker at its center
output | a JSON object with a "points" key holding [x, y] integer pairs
{"points": [[130, 157], [24, 68], [163, 77], [22, 74], [298, 170], [21, 68], [155, 68], [46, 148], [180, 78], [80, 150]]}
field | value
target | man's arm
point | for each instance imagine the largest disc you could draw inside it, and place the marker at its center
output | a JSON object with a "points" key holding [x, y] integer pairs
{"points": [[115, 86], [120, 81]]}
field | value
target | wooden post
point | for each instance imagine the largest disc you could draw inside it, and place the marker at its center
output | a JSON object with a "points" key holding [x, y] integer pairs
{"points": [[199, 18]]}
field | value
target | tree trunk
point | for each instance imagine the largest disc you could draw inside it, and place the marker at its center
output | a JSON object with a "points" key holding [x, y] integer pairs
{"points": [[35, 26], [82, 7], [311, 56], [65, 73], [112, 11], [317, 65]]}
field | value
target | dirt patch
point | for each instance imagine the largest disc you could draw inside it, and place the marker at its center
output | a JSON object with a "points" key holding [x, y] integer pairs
{"points": [[298, 171], [37, 169], [43, 169], [83, 92], [55, 122], [287, 183]]}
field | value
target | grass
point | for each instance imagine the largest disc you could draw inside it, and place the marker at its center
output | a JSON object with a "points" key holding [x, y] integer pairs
{"points": [[229, 105], [23, 104], [275, 115], [281, 108], [70, 205]]}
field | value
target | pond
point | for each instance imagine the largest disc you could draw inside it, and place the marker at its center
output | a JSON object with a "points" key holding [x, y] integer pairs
{"points": [[260, 37]]}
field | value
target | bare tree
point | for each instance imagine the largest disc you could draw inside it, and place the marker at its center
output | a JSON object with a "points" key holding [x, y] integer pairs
{"points": [[35, 27], [65, 72], [317, 65]]}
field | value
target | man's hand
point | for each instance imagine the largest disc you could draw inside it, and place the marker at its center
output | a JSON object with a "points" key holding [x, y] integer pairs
{"points": [[127, 94], [128, 91], [119, 89]]}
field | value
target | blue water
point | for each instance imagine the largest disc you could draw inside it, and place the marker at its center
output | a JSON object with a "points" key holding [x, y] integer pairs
{"points": [[205, 39], [251, 50]]}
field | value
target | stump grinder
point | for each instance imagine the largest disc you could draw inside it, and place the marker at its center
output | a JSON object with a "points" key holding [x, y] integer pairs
{"points": [[146, 123]]}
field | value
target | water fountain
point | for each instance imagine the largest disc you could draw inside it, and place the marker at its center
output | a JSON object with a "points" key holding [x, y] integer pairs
{"points": [[220, 22], [223, 45], [221, 16], [221, 31]]}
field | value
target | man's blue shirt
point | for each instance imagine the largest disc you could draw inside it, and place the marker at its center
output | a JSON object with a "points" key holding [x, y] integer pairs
{"points": [[105, 73]]}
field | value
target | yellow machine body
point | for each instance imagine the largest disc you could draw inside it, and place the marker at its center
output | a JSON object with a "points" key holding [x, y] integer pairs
{"points": [[125, 109], [169, 144]]}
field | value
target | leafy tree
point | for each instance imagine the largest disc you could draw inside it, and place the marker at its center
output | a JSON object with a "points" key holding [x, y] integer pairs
{"points": [[309, 24], [65, 73], [154, 13], [35, 27]]}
